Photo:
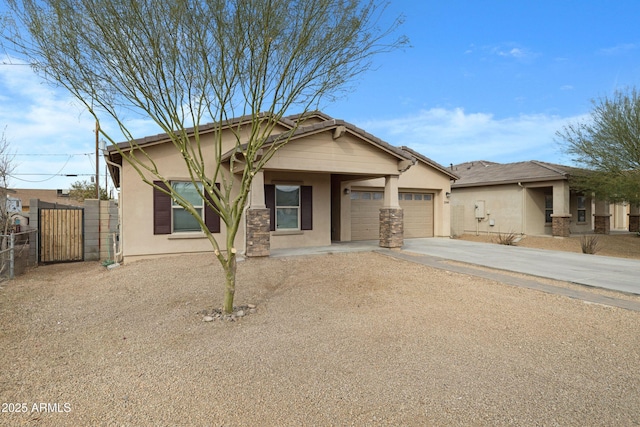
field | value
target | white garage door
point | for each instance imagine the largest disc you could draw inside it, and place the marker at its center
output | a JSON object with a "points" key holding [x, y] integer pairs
{"points": [[365, 214]]}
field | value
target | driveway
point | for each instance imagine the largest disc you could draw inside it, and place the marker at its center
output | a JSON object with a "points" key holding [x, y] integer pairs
{"points": [[616, 274]]}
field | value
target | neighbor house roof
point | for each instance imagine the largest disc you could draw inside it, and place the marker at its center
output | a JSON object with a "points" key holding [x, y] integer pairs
{"points": [[480, 173], [50, 196]]}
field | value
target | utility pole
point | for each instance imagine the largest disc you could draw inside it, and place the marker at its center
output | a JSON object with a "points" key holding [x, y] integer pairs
{"points": [[97, 161], [98, 184]]}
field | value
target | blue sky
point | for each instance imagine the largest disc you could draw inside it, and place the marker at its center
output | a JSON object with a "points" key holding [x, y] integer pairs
{"points": [[491, 80]]}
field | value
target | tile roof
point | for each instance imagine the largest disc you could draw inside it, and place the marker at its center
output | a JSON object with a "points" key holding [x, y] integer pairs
{"points": [[481, 173], [328, 125], [289, 122]]}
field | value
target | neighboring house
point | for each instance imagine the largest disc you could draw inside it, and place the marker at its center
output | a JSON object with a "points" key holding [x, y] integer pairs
{"points": [[529, 198], [333, 182], [60, 197]]}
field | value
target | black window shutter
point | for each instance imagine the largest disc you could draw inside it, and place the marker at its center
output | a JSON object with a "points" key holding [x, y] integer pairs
{"points": [[161, 210], [211, 217], [270, 203], [306, 208]]}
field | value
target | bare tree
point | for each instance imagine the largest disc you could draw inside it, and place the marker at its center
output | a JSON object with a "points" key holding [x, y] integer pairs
{"points": [[6, 169], [182, 63], [6, 215]]}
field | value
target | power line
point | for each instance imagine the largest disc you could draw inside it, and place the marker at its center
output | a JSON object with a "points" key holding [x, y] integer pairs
{"points": [[51, 174], [52, 154]]}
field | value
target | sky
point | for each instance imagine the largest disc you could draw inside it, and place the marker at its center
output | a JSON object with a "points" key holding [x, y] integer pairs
{"points": [[483, 80]]}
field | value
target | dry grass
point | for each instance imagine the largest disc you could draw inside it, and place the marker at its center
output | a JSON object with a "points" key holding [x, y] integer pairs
{"points": [[615, 245], [508, 239]]}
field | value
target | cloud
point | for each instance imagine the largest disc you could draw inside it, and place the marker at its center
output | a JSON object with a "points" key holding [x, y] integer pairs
{"points": [[512, 51], [45, 125], [620, 49], [455, 136]]}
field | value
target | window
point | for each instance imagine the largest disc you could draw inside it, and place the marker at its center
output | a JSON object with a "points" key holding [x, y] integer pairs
{"points": [[378, 195], [418, 197], [582, 210], [183, 220], [290, 207], [287, 207], [408, 196], [169, 217], [548, 207]]}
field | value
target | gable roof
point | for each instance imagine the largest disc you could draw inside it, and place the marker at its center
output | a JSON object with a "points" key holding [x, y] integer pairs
{"points": [[481, 173], [318, 122], [330, 124], [424, 159]]}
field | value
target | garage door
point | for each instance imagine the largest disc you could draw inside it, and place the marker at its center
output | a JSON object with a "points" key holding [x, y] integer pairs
{"points": [[365, 214], [418, 214]]}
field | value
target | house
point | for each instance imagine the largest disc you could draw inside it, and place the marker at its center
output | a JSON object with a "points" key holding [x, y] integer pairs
{"points": [[528, 197], [333, 182], [23, 198], [60, 197]]}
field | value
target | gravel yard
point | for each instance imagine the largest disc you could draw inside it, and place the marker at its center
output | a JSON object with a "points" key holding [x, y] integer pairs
{"points": [[342, 339]]}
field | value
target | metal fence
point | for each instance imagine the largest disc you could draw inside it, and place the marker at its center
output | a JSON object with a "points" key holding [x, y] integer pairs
{"points": [[16, 254]]}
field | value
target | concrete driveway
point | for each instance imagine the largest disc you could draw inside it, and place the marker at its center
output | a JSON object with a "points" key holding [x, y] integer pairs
{"points": [[617, 274]]}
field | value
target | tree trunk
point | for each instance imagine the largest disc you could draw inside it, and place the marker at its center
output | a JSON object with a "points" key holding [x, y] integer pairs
{"points": [[230, 283]]}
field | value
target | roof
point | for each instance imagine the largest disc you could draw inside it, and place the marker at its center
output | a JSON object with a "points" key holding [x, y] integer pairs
{"points": [[330, 124], [481, 173], [424, 159], [318, 122], [50, 196]]}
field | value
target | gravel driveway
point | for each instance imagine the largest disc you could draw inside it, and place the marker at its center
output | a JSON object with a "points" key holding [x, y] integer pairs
{"points": [[344, 339]]}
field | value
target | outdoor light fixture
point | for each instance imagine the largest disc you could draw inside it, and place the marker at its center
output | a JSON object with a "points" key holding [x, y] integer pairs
{"points": [[347, 191]]}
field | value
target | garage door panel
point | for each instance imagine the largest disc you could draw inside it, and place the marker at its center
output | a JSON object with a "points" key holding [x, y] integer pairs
{"points": [[365, 215], [418, 214], [365, 218]]}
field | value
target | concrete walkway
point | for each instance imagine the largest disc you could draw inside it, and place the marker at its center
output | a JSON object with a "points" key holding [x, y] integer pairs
{"points": [[616, 274]]}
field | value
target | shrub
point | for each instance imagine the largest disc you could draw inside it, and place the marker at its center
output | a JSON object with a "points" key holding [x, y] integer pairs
{"points": [[509, 239], [590, 244]]}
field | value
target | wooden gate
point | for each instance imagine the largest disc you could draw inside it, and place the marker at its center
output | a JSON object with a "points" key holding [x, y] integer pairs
{"points": [[61, 234]]}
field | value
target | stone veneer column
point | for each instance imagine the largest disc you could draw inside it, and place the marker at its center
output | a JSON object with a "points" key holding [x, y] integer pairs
{"points": [[601, 223], [560, 225], [391, 227], [258, 235], [602, 218], [391, 216]]}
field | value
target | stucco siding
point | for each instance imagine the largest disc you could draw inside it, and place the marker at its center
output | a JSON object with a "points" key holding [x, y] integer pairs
{"points": [[503, 208], [321, 153], [320, 235], [136, 197]]}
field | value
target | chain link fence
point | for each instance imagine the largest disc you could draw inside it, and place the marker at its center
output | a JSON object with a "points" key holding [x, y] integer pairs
{"points": [[17, 252]]}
